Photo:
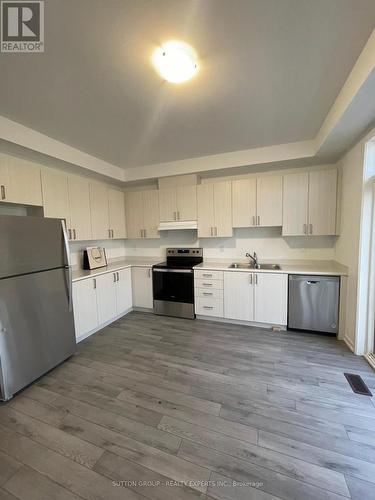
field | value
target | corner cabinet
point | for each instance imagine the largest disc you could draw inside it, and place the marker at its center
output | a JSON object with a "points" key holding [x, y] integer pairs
{"points": [[256, 297], [99, 301], [215, 209], [142, 214], [309, 203]]}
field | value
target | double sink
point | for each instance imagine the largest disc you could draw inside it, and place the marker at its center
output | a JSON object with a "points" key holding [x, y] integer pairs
{"points": [[266, 267]]}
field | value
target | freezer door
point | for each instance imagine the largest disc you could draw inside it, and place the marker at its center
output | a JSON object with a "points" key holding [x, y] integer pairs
{"points": [[30, 244], [314, 303], [36, 327]]}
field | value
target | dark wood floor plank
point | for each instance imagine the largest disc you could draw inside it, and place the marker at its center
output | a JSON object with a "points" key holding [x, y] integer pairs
{"points": [[8, 467]]}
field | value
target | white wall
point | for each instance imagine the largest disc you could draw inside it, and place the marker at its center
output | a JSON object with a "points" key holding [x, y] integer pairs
{"points": [[267, 242], [351, 168], [114, 249]]}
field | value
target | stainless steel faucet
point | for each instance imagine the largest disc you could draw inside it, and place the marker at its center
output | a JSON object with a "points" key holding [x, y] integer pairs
{"points": [[254, 258]]}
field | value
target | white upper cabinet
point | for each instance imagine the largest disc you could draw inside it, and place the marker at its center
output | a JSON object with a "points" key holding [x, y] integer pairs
{"points": [[79, 207], [178, 198], [116, 205], [295, 204], [269, 200], [309, 203], [257, 201], [142, 214], [244, 202], [99, 211], [322, 202], [20, 181], [55, 195], [215, 209]]}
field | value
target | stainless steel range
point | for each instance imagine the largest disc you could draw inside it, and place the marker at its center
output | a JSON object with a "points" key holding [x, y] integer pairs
{"points": [[173, 282]]}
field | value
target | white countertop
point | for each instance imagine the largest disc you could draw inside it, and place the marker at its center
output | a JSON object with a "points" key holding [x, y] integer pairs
{"points": [[314, 267], [115, 265]]}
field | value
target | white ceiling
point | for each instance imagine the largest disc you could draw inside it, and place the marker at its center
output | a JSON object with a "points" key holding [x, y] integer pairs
{"points": [[270, 72]]}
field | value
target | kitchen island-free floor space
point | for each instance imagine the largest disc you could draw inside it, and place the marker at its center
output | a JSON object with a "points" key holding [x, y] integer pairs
{"points": [[168, 409]]}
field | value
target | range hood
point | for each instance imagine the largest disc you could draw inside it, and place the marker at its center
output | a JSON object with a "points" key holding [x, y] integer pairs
{"points": [[173, 225]]}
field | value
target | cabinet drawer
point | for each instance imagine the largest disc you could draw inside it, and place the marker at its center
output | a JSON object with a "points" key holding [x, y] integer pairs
{"points": [[209, 294], [213, 275], [209, 307], [208, 283]]}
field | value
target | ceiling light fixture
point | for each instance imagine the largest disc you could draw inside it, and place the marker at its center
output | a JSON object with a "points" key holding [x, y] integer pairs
{"points": [[175, 61]]}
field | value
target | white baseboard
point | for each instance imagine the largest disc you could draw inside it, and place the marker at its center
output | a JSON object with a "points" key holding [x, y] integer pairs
{"points": [[266, 326], [349, 343]]}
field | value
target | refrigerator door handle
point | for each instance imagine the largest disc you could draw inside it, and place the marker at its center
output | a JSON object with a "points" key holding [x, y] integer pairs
{"points": [[69, 267]]}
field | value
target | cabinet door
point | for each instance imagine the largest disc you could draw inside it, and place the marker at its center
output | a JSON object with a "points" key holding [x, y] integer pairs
{"points": [[106, 297], [85, 307], [142, 287], [124, 299], [24, 186], [116, 204], [55, 195], [187, 202], [151, 213], [295, 204], [134, 214], [99, 209], [206, 214], [79, 204], [322, 202], [238, 295], [244, 202], [223, 208], [269, 201], [167, 204], [270, 298]]}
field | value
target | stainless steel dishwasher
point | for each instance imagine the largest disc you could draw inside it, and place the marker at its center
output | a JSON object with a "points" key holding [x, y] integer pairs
{"points": [[314, 303]]}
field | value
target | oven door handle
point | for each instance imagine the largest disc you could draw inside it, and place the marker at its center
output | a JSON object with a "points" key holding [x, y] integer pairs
{"points": [[185, 271]]}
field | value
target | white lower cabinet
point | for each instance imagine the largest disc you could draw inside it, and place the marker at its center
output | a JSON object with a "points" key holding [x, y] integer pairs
{"points": [[208, 292], [142, 287], [99, 300], [85, 306], [258, 297]]}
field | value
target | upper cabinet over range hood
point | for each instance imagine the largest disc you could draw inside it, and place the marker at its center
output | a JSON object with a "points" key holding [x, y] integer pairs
{"points": [[178, 202]]}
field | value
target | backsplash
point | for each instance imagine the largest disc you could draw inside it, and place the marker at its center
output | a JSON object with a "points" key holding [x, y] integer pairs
{"points": [[267, 242], [114, 249]]}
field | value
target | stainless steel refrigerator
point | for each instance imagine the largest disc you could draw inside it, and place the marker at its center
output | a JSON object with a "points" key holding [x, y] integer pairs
{"points": [[36, 314]]}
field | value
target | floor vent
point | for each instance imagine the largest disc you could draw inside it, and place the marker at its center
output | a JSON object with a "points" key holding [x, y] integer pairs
{"points": [[357, 384]]}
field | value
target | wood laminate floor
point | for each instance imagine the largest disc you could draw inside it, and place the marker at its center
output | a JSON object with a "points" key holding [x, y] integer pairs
{"points": [[168, 409]]}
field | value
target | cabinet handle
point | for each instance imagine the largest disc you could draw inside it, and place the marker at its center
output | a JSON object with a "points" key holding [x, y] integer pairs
{"points": [[207, 275], [113, 233], [3, 192], [254, 220], [94, 280], [70, 233], [256, 278], [178, 215], [207, 284], [207, 293], [208, 307], [251, 279], [215, 231], [149, 272], [109, 233], [118, 276], [305, 229], [74, 234], [311, 229], [114, 278], [258, 220]]}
